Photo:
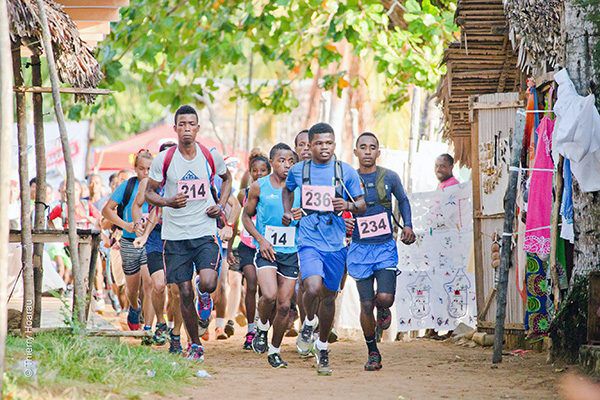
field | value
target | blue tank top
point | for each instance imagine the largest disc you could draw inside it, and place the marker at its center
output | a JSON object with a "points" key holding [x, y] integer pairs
{"points": [[269, 212]]}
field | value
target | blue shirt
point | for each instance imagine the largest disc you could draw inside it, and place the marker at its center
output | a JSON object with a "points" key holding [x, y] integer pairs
{"points": [[324, 231], [269, 211], [117, 197], [393, 185]]}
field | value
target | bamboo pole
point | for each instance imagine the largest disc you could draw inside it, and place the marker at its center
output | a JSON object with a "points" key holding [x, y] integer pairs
{"points": [[26, 242], [40, 191], [6, 126], [506, 250], [78, 295], [554, 230]]}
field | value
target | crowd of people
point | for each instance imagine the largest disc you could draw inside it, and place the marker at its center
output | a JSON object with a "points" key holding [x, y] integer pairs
{"points": [[189, 237]]}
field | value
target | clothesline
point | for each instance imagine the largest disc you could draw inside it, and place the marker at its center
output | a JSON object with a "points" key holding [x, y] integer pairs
{"points": [[519, 169], [528, 230]]}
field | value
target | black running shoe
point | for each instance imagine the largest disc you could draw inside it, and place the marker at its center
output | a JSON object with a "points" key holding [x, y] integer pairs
{"points": [[175, 344], [248, 341], [384, 318], [276, 361], [374, 362], [229, 328], [160, 334], [322, 357], [260, 342]]}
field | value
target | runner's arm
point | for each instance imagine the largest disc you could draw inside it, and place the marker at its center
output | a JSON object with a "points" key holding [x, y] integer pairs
{"points": [[403, 202], [138, 203], [225, 188], [109, 211]]}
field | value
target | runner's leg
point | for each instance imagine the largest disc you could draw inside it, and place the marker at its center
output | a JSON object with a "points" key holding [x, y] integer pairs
{"points": [[285, 290], [188, 310], [147, 303], [158, 295], [250, 297], [326, 313], [267, 281]]}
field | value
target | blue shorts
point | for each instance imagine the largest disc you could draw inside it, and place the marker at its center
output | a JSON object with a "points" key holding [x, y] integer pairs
{"points": [[330, 265], [364, 259]]}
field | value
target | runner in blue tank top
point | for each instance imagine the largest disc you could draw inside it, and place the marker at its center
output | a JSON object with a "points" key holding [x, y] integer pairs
{"points": [[328, 187], [276, 259], [373, 255]]}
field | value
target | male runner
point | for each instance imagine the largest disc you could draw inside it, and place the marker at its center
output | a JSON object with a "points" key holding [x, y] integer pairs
{"points": [[373, 255], [277, 258], [328, 187], [134, 260], [189, 217], [148, 229]]}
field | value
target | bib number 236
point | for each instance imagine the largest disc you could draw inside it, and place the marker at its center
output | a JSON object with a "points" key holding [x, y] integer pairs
{"points": [[194, 189], [281, 236], [318, 198], [374, 225]]}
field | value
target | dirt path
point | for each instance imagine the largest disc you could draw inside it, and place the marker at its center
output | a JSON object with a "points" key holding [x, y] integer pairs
{"points": [[421, 369]]}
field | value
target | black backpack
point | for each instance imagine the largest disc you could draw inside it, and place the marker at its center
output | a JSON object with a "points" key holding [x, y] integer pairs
{"points": [[126, 196]]}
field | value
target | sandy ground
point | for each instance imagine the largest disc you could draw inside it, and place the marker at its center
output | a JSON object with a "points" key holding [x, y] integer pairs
{"points": [[421, 369]]}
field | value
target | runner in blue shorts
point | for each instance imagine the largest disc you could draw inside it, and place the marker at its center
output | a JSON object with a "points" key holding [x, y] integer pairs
{"points": [[373, 255], [276, 259], [328, 187]]}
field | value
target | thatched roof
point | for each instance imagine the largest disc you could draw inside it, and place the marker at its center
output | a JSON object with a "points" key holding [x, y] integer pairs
{"points": [[74, 59], [481, 62], [535, 32]]}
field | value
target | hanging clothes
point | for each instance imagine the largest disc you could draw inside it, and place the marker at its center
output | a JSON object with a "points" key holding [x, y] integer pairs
{"points": [[566, 207], [577, 133], [539, 209], [537, 320]]}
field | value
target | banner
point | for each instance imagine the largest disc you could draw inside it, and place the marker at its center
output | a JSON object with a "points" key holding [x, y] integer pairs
{"points": [[436, 284]]}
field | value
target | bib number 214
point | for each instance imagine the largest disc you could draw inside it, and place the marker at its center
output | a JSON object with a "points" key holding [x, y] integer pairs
{"points": [[194, 189]]}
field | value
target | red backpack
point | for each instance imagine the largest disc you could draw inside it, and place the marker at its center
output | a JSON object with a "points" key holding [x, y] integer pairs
{"points": [[209, 159]]}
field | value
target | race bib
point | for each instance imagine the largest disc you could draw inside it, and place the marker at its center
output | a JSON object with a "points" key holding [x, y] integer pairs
{"points": [[375, 225], [194, 189], [281, 236], [318, 198]]}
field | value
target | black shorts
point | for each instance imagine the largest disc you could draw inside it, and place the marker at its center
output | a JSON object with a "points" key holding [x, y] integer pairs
{"points": [[386, 283], [182, 255], [286, 264], [133, 258], [155, 262], [246, 255]]}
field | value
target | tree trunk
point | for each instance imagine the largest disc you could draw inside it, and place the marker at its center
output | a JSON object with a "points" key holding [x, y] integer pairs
{"points": [[569, 327], [26, 242], [78, 295], [40, 192], [6, 127]]}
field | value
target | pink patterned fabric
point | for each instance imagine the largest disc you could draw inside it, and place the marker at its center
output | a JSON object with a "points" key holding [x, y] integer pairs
{"points": [[539, 204]]}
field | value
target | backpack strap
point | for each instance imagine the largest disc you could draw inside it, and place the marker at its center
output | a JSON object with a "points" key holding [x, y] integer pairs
{"points": [[306, 173], [166, 162], [126, 196], [384, 200], [211, 162], [338, 176]]}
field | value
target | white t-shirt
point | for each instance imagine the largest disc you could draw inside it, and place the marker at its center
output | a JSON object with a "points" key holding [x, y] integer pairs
{"points": [[191, 221]]}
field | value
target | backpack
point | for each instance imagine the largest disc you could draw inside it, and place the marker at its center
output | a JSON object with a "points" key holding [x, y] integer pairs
{"points": [[382, 195], [338, 176], [209, 160], [126, 196]]}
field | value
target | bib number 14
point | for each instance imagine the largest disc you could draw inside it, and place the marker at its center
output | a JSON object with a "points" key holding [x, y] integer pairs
{"points": [[375, 225], [281, 236]]}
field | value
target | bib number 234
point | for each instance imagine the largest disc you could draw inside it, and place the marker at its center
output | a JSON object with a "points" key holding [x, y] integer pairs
{"points": [[194, 189], [374, 225], [318, 198]]}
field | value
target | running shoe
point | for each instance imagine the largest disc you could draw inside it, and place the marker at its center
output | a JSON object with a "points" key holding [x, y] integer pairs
{"points": [[160, 334], [276, 361], [260, 342], [175, 344], [248, 341], [333, 336], [305, 340], [374, 362], [204, 306], [133, 318], [114, 301], [147, 340], [241, 319], [196, 353], [322, 358], [205, 336], [229, 328], [220, 333], [384, 318]]}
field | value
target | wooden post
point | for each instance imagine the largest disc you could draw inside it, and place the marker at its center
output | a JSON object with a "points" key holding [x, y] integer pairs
{"points": [[26, 243], [40, 191], [506, 250], [554, 230], [6, 128], [94, 243], [78, 297]]}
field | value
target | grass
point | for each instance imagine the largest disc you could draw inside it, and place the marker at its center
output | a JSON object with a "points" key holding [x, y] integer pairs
{"points": [[77, 367]]}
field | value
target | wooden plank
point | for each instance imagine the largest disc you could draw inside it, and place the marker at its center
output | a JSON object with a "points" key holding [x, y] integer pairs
{"points": [[497, 105], [66, 90], [509, 326], [477, 237], [99, 14], [93, 3], [51, 236]]}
